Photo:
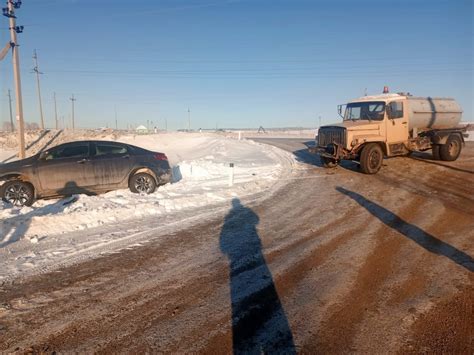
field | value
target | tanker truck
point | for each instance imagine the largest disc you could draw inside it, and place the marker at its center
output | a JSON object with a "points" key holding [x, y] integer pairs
{"points": [[391, 125]]}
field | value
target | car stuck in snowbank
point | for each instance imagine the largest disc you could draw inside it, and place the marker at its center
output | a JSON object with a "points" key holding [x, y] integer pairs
{"points": [[89, 167]]}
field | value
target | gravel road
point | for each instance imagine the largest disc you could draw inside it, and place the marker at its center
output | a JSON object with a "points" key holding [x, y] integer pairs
{"points": [[333, 262]]}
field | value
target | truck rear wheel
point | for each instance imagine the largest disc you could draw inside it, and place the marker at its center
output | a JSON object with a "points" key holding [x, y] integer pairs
{"points": [[328, 162], [371, 158], [451, 150], [435, 152]]}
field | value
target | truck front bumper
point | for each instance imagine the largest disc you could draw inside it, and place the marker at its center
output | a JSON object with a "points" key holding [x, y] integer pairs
{"points": [[331, 151]]}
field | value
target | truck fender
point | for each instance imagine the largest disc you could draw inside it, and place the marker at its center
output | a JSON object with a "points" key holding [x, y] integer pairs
{"points": [[442, 137], [358, 149]]}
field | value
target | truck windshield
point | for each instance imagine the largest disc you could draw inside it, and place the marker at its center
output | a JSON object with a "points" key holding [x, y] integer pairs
{"points": [[370, 110]]}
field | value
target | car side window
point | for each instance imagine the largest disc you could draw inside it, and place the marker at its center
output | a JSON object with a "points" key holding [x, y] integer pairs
{"points": [[69, 151], [109, 149], [396, 109]]}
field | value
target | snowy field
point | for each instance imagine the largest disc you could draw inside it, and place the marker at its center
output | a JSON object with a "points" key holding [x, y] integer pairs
{"points": [[62, 230]]}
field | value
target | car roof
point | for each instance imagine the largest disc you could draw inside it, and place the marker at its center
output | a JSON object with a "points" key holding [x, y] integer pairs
{"points": [[90, 141], [100, 141]]}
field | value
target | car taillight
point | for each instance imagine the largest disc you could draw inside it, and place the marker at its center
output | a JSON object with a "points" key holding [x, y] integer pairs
{"points": [[160, 156]]}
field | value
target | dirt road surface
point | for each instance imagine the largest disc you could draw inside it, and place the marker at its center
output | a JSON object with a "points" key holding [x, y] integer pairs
{"points": [[333, 262]]}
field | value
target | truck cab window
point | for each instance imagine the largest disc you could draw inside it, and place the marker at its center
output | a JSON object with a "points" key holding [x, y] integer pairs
{"points": [[396, 109], [370, 110]]}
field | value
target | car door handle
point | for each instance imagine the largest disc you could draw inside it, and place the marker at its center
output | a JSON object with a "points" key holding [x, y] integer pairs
{"points": [[126, 156], [82, 161], [404, 122]]}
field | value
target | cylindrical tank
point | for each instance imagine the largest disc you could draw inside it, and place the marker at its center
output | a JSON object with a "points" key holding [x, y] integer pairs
{"points": [[433, 112]]}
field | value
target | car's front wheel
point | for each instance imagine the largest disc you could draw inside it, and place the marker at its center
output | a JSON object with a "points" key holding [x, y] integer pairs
{"points": [[142, 183], [18, 193]]}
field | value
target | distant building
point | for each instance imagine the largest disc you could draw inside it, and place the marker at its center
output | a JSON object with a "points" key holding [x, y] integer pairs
{"points": [[141, 129]]}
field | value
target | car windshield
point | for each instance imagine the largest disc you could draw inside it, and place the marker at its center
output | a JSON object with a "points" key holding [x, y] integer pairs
{"points": [[371, 110]]}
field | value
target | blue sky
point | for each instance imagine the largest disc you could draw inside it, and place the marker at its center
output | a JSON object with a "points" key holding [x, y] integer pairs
{"points": [[236, 63]]}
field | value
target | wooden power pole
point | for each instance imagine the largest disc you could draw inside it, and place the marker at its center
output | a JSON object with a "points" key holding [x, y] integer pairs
{"points": [[189, 120], [72, 101], [14, 29], [36, 70], [55, 112], [11, 111]]}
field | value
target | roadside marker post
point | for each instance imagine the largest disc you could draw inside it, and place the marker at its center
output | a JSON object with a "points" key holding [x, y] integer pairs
{"points": [[231, 174]]}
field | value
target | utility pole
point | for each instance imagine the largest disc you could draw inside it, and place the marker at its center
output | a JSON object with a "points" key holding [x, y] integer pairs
{"points": [[55, 111], [166, 124], [116, 121], [36, 70], [319, 121], [9, 12], [189, 120], [72, 101], [11, 112]]}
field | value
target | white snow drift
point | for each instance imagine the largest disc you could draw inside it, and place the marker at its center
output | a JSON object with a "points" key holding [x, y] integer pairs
{"points": [[201, 181]]}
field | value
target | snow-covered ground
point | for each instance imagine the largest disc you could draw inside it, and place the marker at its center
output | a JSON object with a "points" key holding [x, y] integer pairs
{"points": [[56, 231], [278, 133]]}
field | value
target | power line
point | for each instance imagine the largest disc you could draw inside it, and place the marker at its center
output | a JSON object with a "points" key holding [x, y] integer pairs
{"points": [[255, 73]]}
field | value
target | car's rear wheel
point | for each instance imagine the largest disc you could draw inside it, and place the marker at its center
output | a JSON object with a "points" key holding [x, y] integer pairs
{"points": [[142, 183], [18, 193]]}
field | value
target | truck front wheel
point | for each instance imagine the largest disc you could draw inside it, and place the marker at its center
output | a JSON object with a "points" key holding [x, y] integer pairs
{"points": [[451, 150], [371, 158]]}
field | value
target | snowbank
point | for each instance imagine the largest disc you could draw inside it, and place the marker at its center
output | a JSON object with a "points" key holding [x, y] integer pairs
{"points": [[201, 173]]}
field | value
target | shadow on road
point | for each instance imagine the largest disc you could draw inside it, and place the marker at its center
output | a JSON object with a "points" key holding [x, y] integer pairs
{"points": [[427, 158], [304, 156], [259, 323], [419, 236]]}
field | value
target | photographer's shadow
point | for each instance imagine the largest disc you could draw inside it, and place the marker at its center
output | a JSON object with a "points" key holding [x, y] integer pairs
{"points": [[259, 323]]}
